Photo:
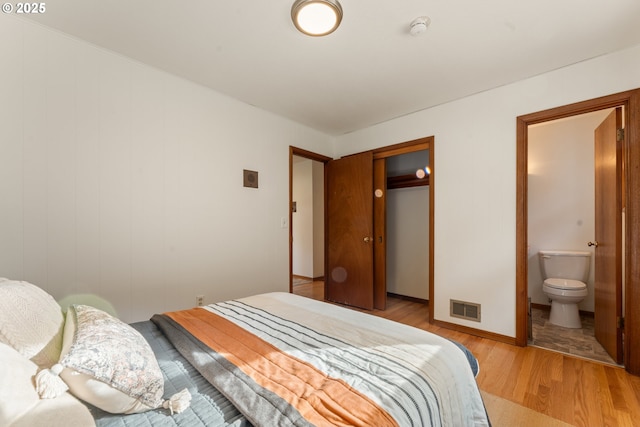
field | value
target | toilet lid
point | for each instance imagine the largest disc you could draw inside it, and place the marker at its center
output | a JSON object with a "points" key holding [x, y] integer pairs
{"points": [[568, 284]]}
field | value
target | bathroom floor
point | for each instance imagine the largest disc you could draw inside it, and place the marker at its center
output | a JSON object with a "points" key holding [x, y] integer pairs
{"points": [[578, 342]]}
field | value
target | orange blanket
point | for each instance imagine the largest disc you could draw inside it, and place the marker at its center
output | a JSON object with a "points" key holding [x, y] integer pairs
{"points": [[318, 398]]}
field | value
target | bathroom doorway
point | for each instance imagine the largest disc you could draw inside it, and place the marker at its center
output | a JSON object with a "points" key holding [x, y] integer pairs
{"points": [[564, 165], [630, 325]]}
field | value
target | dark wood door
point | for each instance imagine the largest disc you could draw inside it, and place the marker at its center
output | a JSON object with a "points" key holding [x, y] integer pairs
{"points": [[349, 246], [608, 235], [380, 234]]}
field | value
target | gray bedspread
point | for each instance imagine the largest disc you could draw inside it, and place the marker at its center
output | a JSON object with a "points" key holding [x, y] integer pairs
{"points": [[288, 360], [208, 406]]}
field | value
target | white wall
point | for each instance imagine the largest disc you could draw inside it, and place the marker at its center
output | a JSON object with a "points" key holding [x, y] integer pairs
{"points": [[475, 176], [308, 220], [302, 219], [408, 242], [561, 194], [121, 180]]}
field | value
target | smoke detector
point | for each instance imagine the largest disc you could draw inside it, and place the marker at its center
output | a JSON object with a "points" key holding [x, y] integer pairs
{"points": [[419, 25]]}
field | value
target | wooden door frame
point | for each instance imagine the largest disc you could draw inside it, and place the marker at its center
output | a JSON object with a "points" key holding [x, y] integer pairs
{"points": [[630, 100], [295, 151]]}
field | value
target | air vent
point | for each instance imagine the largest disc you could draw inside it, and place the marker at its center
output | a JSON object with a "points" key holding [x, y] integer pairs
{"points": [[465, 310]]}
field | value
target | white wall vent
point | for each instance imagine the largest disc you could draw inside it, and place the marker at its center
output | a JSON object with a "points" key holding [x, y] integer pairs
{"points": [[465, 310]]}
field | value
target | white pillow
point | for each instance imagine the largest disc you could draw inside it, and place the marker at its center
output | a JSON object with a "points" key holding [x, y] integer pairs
{"points": [[108, 363], [31, 322], [20, 405]]}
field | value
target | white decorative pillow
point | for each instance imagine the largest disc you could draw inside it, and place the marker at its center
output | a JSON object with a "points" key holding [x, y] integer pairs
{"points": [[108, 363], [20, 405], [31, 322]]}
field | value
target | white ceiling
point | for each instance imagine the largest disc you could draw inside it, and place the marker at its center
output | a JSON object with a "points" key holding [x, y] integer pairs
{"points": [[370, 70]]}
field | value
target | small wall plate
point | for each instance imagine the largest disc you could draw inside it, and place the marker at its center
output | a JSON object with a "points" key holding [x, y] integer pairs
{"points": [[250, 178]]}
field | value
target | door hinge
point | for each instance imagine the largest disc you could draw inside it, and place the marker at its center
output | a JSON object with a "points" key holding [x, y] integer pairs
{"points": [[620, 134], [620, 322]]}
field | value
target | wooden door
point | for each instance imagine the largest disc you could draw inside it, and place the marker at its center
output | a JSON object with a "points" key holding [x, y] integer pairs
{"points": [[608, 235], [349, 246], [380, 234]]}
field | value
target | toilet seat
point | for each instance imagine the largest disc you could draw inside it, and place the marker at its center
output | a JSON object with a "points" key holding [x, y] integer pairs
{"points": [[565, 284]]}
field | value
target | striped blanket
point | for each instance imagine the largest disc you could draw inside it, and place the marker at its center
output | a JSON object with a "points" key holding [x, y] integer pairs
{"points": [[291, 361]]}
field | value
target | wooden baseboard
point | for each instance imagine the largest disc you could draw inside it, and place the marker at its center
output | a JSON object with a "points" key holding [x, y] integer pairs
{"points": [[313, 279], [476, 332], [408, 298], [456, 327]]}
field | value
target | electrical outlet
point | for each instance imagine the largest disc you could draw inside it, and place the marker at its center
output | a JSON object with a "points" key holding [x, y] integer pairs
{"points": [[200, 300]]}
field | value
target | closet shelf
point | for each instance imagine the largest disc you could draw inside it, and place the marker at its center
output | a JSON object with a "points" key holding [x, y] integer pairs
{"points": [[404, 181]]}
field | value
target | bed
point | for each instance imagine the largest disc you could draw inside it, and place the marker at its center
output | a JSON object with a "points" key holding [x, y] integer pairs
{"points": [[280, 359]]}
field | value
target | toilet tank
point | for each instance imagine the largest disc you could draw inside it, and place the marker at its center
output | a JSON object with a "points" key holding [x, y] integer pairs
{"points": [[565, 264]]}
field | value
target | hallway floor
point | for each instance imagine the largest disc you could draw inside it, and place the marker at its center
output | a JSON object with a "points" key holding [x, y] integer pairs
{"points": [[578, 342]]}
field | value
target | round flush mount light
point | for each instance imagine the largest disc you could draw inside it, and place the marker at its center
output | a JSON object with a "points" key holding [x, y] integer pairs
{"points": [[316, 17], [419, 25]]}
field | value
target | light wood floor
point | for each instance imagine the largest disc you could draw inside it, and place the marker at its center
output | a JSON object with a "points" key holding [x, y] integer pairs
{"points": [[574, 390]]}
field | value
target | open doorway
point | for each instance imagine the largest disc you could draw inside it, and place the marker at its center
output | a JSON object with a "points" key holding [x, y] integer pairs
{"points": [[407, 225], [564, 167], [306, 222], [425, 214], [630, 145]]}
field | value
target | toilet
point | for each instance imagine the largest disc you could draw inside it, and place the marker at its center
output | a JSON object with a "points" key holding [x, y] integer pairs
{"points": [[565, 275]]}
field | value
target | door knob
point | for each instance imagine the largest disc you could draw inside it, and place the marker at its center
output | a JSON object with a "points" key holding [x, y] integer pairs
{"points": [[368, 239], [593, 244]]}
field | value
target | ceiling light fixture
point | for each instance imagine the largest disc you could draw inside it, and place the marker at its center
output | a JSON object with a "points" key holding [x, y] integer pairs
{"points": [[316, 17]]}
